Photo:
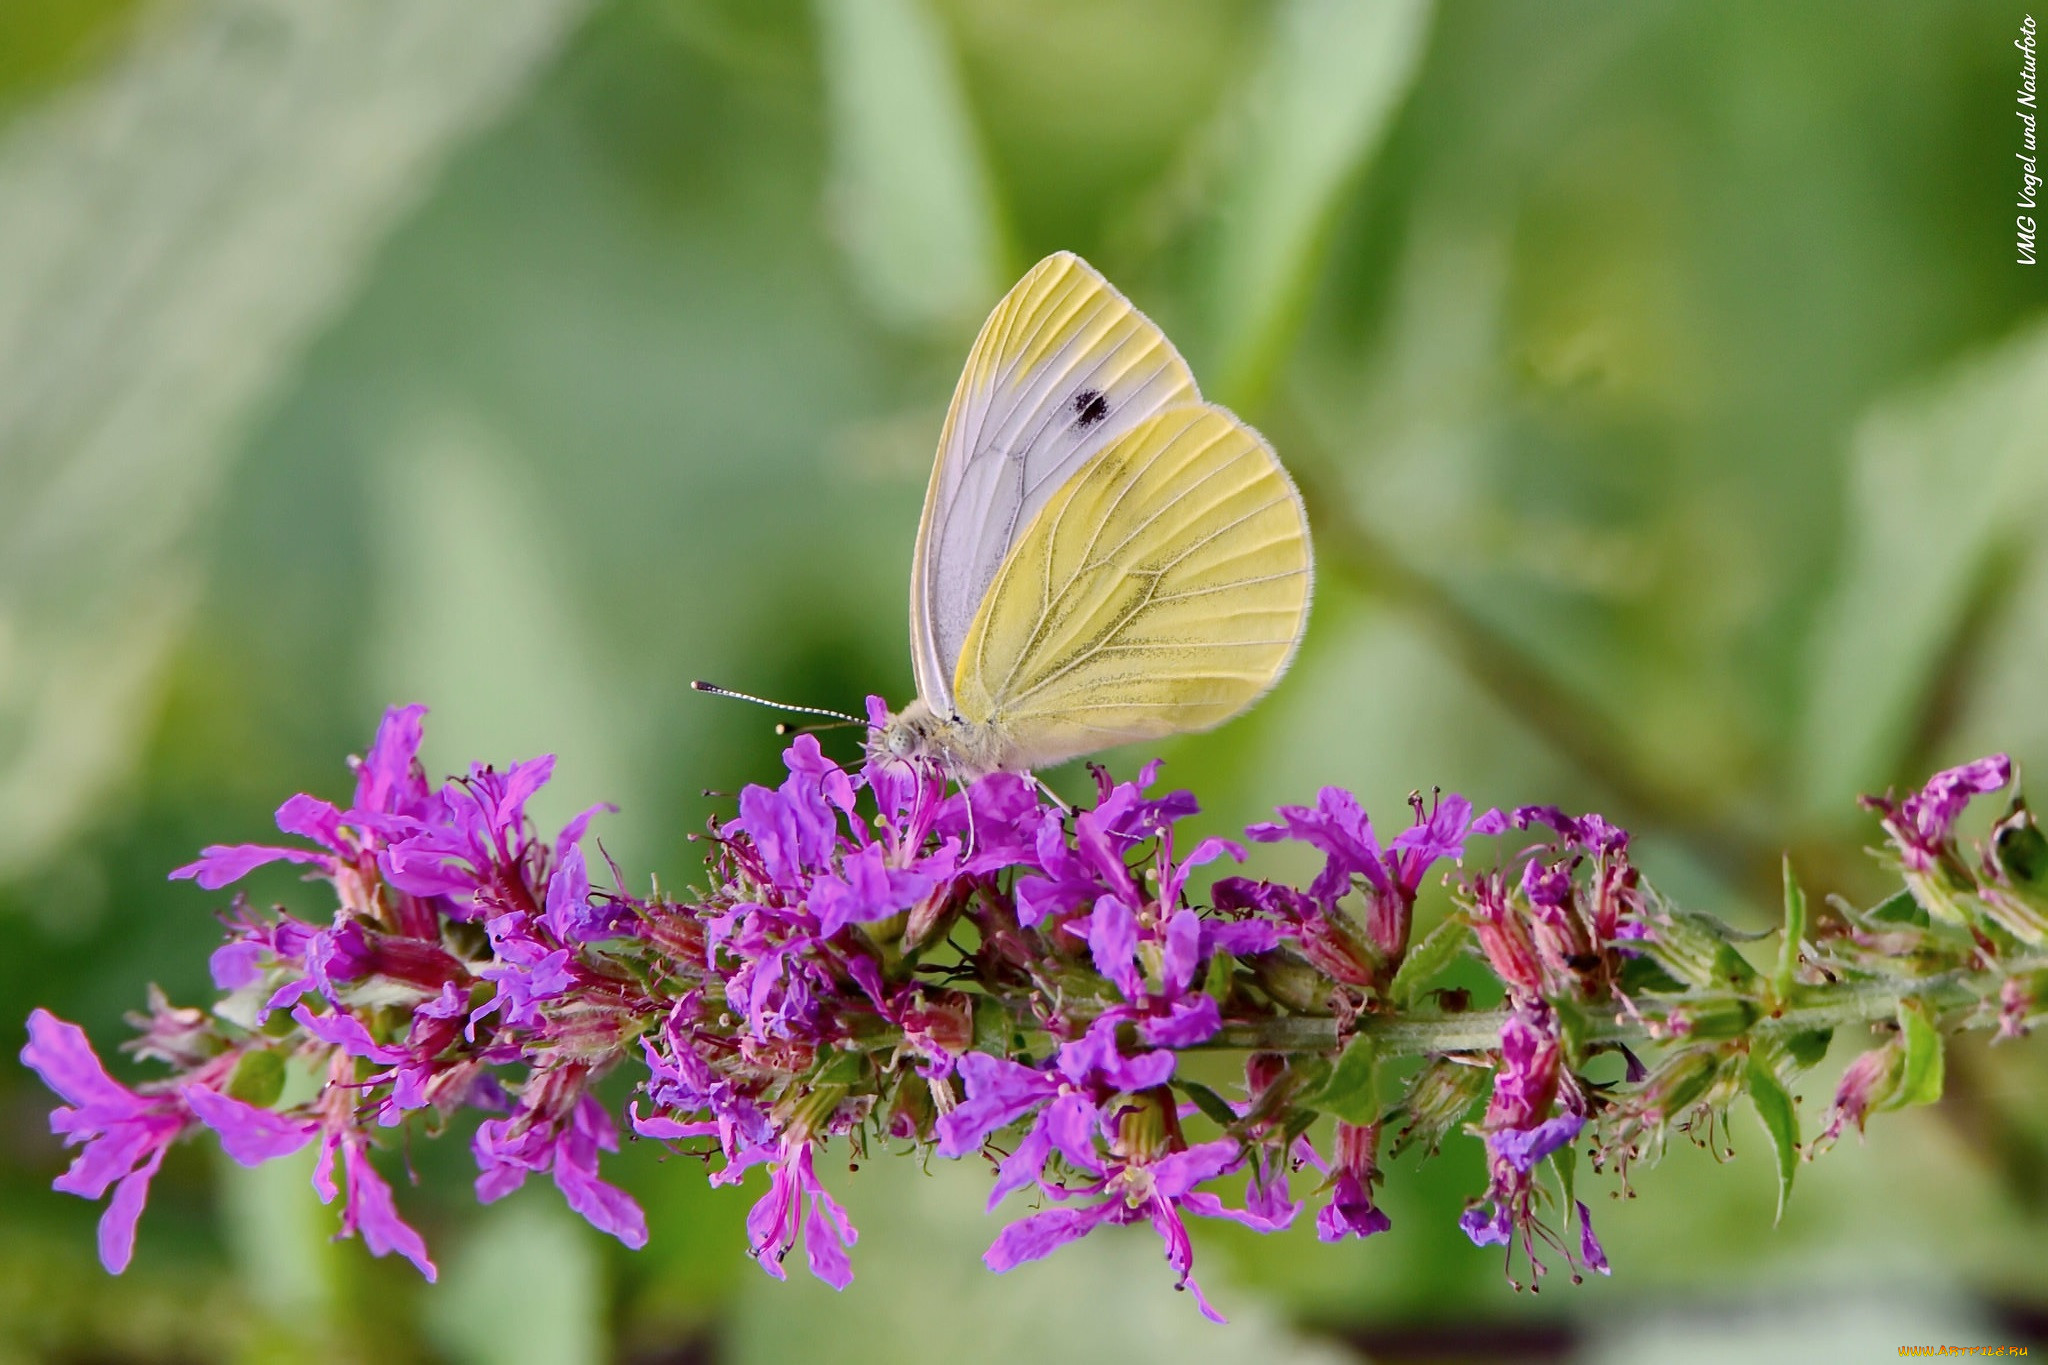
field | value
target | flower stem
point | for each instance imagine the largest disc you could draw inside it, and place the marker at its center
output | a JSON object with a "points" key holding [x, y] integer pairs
{"points": [[1820, 1007]]}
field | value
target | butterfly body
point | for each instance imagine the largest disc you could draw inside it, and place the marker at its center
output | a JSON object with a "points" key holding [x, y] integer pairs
{"points": [[964, 749], [1104, 557]]}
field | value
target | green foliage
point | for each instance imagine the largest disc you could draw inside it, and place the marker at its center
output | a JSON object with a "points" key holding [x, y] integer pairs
{"points": [[1674, 350], [1352, 1091], [1427, 960], [1921, 1077], [1781, 1124]]}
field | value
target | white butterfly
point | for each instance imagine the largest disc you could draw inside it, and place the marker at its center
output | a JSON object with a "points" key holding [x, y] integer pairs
{"points": [[1104, 557]]}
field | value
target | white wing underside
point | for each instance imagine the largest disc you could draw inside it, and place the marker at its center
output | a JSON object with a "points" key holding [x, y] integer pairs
{"points": [[1063, 366]]}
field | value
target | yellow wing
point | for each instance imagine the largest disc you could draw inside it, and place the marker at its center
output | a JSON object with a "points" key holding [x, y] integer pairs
{"points": [[1163, 589], [1062, 368]]}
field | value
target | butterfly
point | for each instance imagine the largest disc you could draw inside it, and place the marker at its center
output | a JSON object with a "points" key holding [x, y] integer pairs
{"points": [[1104, 557]]}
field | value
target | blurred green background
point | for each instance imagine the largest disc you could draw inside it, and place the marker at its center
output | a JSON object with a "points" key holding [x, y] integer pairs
{"points": [[1669, 401]]}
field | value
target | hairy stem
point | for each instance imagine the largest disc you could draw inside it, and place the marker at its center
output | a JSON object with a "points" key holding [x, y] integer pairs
{"points": [[1821, 1007]]}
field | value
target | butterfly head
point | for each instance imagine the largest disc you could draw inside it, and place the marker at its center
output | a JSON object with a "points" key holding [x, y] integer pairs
{"points": [[909, 734]]}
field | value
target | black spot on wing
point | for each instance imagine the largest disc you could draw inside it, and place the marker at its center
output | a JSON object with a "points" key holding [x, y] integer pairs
{"points": [[1090, 407]]}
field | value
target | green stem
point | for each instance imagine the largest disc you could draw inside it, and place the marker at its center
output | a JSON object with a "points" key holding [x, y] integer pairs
{"points": [[1823, 1007]]}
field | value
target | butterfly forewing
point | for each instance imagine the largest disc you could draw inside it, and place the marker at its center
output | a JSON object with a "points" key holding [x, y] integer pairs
{"points": [[1161, 589], [1063, 367]]}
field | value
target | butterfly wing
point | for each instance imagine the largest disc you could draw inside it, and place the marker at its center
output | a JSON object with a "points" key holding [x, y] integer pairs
{"points": [[1162, 589], [1063, 367]]}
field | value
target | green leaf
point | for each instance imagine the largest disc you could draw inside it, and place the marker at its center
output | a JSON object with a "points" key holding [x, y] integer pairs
{"points": [[1795, 934], [1941, 484], [1774, 1110], [1216, 984], [1312, 112], [1806, 1049], [1212, 1105], [171, 254], [1731, 968], [910, 202], [993, 1026], [2021, 851], [1643, 975], [1699, 950], [841, 1067], [1902, 907], [1427, 959], [1352, 1092], [258, 1078], [1920, 1078]]}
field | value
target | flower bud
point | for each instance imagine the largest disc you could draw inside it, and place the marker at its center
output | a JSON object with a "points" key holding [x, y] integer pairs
{"points": [[1439, 1096], [1870, 1080], [1713, 1019], [1679, 1083], [911, 1110]]}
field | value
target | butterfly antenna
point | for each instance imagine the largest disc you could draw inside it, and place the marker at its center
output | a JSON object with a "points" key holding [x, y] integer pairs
{"points": [[699, 685]]}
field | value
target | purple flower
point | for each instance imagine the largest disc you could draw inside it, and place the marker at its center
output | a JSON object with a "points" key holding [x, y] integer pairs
{"points": [[1591, 1254], [341, 1029], [124, 1134], [1339, 827], [1494, 1228], [1530, 1062], [792, 830], [868, 891], [474, 827], [527, 972], [1522, 1148], [797, 1206], [250, 1135], [507, 1150], [1351, 1212], [1188, 1021], [1923, 825], [1111, 930], [367, 1207], [225, 864], [1132, 1190], [997, 818], [1086, 1074]]}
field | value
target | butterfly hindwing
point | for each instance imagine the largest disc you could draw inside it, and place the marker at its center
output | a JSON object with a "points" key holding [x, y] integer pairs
{"points": [[1063, 367], [1161, 589]]}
